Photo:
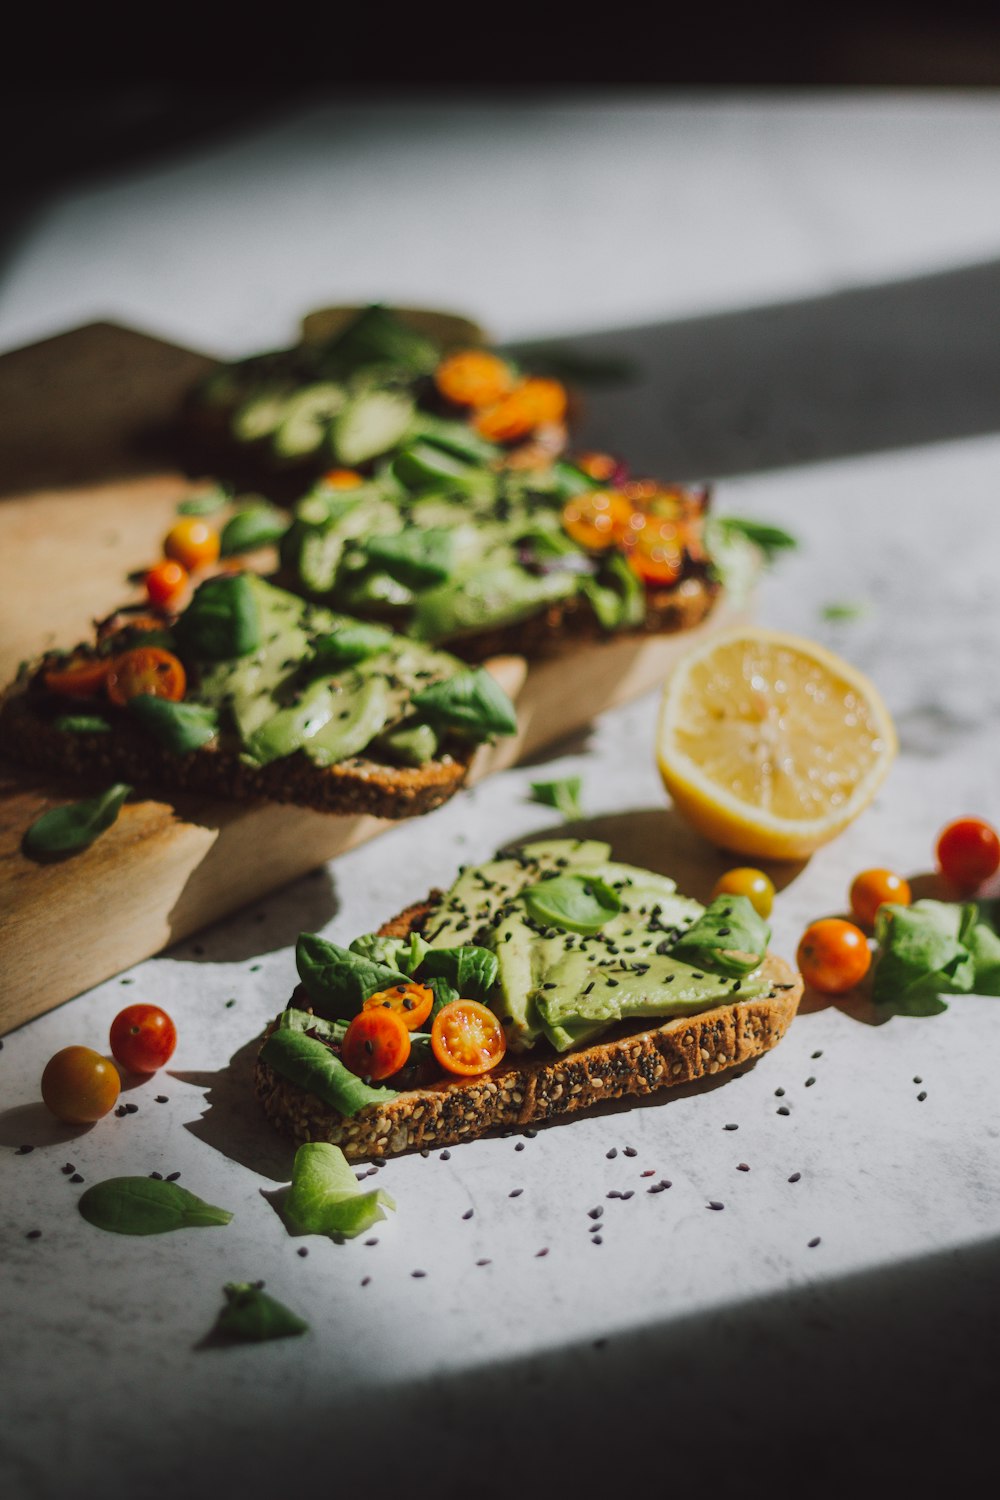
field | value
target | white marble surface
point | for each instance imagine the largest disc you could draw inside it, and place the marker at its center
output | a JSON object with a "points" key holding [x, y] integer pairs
{"points": [[630, 1347]]}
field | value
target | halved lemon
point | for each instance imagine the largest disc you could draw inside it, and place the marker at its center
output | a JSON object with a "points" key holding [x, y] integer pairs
{"points": [[769, 744]]}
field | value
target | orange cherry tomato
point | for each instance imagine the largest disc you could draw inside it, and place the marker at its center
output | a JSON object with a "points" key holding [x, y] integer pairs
{"points": [[166, 584], [473, 377], [532, 404], [467, 1038], [833, 956], [599, 466], [80, 1086], [81, 677], [655, 549], [147, 670], [342, 479], [871, 888], [598, 519], [143, 1038], [412, 1003], [376, 1044], [968, 852], [754, 884], [192, 543]]}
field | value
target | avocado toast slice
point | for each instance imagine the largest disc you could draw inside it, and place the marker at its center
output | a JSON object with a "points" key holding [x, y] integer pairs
{"points": [[644, 989], [254, 693]]}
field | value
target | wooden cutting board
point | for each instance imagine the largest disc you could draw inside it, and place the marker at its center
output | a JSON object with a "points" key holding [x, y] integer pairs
{"points": [[87, 497]]}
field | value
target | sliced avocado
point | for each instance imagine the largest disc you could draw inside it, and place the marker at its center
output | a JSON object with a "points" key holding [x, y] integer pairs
{"points": [[490, 596], [367, 706]]}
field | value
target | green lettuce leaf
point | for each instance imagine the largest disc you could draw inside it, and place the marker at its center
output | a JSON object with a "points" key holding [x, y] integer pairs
{"points": [[337, 980], [325, 1198], [924, 954], [309, 1063], [563, 795]]}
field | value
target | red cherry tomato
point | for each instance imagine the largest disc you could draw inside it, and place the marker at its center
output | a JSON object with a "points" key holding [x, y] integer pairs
{"points": [[149, 670], [143, 1038], [833, 956], [376, 1044], [467, 1038], [166, 584], [80, 1086], [412, 1003], [81, 677], [873, 887], [968, 852], [192, 543]]}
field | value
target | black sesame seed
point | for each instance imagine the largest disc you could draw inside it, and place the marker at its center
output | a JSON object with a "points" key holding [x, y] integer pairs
{"points": [[813, 1243], [650, 1172], [33, 1234], [24, 1150], [795, 1177], [230, 1004], [445, 1156], [610, 1155], [595, 1213], [922, 1096], [303, 1250], [132, 1109], [596, 1240], [418, 1274], [540, 1253], [530, 1134], [486, 1262], [467, 1214], [162, 1099], [783, 1109], [626, 1196], [515, 1192], [631, 1151], [424, 1151], [918, 1079], [779, 1093], [69, 1167], [365, 1280], [614, 1193], [742, 1166], [730, 1127], [519, 1146], [817, 1054], [809, 1082], [121, 1112], [172, 1176], [372, 1241], [714, 1203]]}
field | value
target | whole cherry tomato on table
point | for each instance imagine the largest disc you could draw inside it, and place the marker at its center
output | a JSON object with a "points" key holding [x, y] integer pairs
{"points": [[968, 852], [166, 583], [833, 956], [143, 1038], [872, 888], [80, 1086], [192, 543]]}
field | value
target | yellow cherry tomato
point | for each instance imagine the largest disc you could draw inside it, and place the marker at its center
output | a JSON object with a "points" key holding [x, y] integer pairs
{"points": [[745, 881], [192, 543]]}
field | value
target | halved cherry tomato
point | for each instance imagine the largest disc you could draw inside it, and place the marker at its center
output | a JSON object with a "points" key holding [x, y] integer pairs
{"points": [[192, 543], [473, 377], [467, 1038], [532, 404], [342, 479], [143, 1038], [147, 670], [968, 852], [754, 884], [412, 1003], [376, 1044], [166, 583], [80, 1086], [598, 519], [871, 888], [655, 549], [81, 677], [833, 956]]}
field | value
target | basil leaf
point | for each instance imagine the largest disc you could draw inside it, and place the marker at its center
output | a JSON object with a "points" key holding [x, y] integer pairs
{"points": [[180, 727], [770, 539], [576, 903], [324, 1197], [470, 970], [923, 955], [221, 621], [255, 526], [204, 503], [251, 1316], [350, 643], [144, 1205], [730, 937], [309, 1063], [81, 724], [338, 981], [414, 557], [66, 830], [563, 795], [472, 701]]}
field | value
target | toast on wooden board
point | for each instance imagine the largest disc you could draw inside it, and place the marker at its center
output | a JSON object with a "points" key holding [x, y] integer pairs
{"points": [[632, 1058]]}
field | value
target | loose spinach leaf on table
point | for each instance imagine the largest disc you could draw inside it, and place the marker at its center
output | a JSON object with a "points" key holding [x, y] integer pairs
{"points": [[66, 830], [252, 1316], [145, 1205], [221, 621], [563, 795], [473, 702], [309, 1063], [576, 903], [325, 1198], [179, 727], [932, 949], [729, 937], [338, 981]]}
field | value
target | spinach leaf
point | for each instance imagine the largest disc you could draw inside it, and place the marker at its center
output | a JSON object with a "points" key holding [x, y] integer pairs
{"points": [[180, 727], [204, 503], [470, 970], [616, 596], [66, 830], [473, 702], [221, 621], [81, 724], [145, 1205], [443, 995], [923, 954], [378, 337], [770, 539], [729, 937], [843, 610], [254, 526], [337, 981], [309, 1063], [575, 903], [251, 1316], [350, 643], [324, 1197], [563, 795], [403, 954], [415, 557]]}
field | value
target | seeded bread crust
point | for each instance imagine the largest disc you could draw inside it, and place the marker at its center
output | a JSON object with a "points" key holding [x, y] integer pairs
{"points": [[355, 786], [526, 1089]]}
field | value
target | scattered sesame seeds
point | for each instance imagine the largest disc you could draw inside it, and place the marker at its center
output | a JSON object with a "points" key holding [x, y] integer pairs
{"points": [[742, 1166], [24, 1150], [610, 1155], [467, 1214], [515, 1192], [418, 1274], [714, 1203], [813, 1243], [631, 1151], [795, 1177], [730, 1127], [303, 1250], [922, 1096], [809, 1082], [783, 1110], [33, 1234]]}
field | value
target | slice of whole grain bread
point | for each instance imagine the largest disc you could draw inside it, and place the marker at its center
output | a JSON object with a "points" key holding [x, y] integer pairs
{"points": [[632, 1059]]}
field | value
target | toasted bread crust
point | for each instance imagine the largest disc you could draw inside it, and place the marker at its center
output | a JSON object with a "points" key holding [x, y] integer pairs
{"points": [[355, 786], [635, 1059]]}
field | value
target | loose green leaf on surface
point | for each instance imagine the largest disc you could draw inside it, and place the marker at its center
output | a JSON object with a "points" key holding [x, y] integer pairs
{"points": [[252, 1316], [770, 539], [325, 1198], [843, 610], [575, 903], [932, 949], [729, 937], [309, 1063], [337, 980], [254, 526], [473, 702], [66, 830], [180, 727], [145, 1205], [563, 795], [222, 620]]}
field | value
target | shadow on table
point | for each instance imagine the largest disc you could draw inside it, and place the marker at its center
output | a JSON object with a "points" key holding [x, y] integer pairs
{"points": [[233, 1122]]}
